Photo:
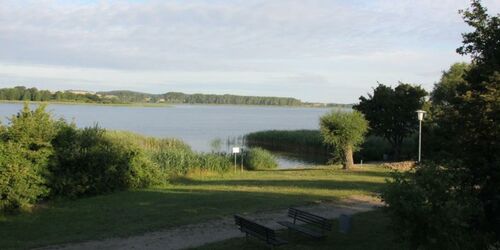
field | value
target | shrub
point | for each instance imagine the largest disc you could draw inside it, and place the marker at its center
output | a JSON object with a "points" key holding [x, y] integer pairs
{"points": [[25, 150], [143, 171], [429, 211], [89, 162], [21, 185], [258, 158]]}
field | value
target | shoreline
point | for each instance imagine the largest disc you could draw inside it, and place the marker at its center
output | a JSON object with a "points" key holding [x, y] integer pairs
{"points": [[162, 105]]}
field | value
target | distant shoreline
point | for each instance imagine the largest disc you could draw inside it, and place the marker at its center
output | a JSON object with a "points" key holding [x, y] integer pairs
{"points": [[90, 103], [161, 105]]}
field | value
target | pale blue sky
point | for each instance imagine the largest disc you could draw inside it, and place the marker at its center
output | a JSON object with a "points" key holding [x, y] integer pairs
{"points": [[316, 50]]}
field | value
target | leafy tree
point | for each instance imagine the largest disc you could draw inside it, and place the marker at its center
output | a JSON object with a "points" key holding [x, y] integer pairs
{"points": [[345, 132], [474, 114], [391, 112], [447, 88], [25, 148], [461, 195]]}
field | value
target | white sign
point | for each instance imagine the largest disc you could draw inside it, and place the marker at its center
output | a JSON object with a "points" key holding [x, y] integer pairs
{"points": [[236, 150]]}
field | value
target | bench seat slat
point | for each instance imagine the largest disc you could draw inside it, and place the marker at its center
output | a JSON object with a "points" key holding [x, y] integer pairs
{"points": [[309, 218], [311, 232], [259, 231]]}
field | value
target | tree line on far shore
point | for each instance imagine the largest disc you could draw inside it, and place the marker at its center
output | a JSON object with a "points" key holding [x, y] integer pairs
{"points": [[21, 93]]}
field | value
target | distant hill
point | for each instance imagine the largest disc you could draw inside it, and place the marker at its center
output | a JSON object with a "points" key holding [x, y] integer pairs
{"points": [[21, 93]]}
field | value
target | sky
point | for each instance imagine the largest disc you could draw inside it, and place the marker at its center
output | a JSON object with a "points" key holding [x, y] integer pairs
{"points": [[315, 50]]}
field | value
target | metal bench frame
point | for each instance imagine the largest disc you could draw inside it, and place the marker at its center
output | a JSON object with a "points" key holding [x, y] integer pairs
{"points": [[258, 231], [317, 225]]}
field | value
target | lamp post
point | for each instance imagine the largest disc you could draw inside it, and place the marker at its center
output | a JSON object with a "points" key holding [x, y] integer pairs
{"points": [[420, 115]]}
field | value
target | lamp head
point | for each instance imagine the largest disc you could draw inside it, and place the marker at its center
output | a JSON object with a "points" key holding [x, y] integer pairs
{"points": [[420, 114]]}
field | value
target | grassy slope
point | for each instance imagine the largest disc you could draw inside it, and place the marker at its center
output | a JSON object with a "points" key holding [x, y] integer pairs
{"points": [[187, 200], [369, 230]]}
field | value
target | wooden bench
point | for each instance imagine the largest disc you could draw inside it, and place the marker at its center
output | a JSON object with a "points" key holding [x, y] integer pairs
{"points": [[258, 231], [315, 226]]}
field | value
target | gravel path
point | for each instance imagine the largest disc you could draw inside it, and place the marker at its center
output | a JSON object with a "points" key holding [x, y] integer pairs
{"points": [[195, 235]]}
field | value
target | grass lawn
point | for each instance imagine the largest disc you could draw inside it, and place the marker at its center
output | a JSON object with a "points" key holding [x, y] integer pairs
{"points": [[186, 200], [370, 230]]}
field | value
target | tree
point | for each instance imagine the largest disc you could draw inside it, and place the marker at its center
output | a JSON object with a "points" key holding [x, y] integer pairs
{"points": [[447, 88], [345, 132], [439, 138], [391, 112], [25, 148], [473, 115], [456, 203]]}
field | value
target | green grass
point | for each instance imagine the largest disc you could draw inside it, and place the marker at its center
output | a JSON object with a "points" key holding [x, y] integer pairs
{"points": [[186, 200], [370, 230]]}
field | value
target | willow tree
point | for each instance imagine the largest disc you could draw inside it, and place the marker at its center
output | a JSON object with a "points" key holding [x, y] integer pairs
{"points": [[345, 132]]}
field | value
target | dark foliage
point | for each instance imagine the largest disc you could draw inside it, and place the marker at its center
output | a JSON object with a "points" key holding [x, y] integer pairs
{"points": [[457, 205], [430, 211], [391, 112]]}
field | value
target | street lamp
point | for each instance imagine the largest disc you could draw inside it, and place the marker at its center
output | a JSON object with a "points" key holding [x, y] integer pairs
{"points": [[420, 115]]}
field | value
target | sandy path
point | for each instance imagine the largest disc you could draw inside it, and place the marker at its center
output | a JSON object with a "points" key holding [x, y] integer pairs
{"points": [[194, 235]]}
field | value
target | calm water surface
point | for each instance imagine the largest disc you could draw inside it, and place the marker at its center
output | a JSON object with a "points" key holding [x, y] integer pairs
{"points": [[196, 125]]}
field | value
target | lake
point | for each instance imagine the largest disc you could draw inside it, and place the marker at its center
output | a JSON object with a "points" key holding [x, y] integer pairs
{"points": [[196, 125]]}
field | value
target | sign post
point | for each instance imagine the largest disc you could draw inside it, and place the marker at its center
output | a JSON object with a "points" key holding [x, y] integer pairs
{"points": [[236, 150]]}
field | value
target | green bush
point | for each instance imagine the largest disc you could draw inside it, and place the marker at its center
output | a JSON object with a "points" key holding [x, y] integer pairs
{"points": [[214, 162], [143, 171], [429, 211], [89, 162], [25, 150], [21, 185], [258, 158]]}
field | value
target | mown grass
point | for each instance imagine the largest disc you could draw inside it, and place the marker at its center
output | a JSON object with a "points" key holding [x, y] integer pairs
{"points": [[369, 230], [192, 199]]}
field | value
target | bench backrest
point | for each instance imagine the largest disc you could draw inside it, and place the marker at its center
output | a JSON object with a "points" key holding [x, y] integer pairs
{"points": [[312, 219], [255, 229]]}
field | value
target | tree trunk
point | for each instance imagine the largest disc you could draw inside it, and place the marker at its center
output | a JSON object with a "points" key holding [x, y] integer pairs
{"points": [[348, 160]]}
